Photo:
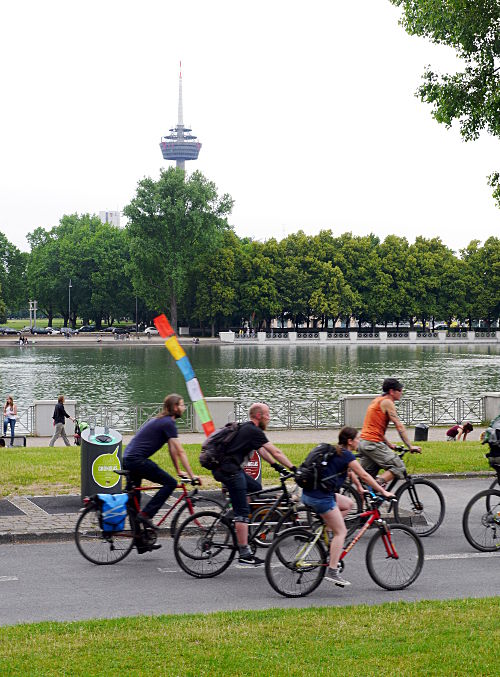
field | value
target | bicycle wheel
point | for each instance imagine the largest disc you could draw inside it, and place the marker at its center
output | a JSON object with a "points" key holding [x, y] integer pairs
{"points": [[199, 503], [297, 515], [395, 559], [294, 565], [204, 545], [420, 506], [481, 521], [265, 533], [352, 520], [494, 485], [98, 546]]}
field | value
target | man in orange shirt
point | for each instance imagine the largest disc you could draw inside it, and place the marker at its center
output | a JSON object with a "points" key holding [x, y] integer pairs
{"points": [[374, 450]]}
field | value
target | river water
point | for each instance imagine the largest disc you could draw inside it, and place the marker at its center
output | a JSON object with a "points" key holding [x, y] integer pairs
{"points": [[130, 374]]}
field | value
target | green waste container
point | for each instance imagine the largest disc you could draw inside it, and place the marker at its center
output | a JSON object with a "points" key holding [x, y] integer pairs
{"points": [[101, 455]]}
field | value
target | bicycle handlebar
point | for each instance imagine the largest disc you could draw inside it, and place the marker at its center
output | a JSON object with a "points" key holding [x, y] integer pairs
{"points": [[187, 480]]}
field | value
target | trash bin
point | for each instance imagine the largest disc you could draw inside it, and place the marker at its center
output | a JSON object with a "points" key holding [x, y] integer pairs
{"points": [[101, 454], [421, 432]]}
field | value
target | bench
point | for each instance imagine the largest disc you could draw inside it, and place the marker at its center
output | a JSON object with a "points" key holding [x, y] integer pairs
{"points": [[19, 440]]}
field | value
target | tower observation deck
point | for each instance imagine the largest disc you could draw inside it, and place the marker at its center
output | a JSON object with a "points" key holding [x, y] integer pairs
{"points": [[180, 145]]}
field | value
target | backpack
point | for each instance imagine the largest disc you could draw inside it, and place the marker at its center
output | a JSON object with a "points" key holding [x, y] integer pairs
{"points": [[310, 473], [113, 511], [214, 448], [492, 438]]}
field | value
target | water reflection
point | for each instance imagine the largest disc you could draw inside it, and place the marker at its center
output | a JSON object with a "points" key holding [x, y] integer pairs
{"points": [[131, 374]]}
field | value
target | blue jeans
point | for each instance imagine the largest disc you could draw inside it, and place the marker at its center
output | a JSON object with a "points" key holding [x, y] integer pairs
{"points": [[149, 470], [239, 485], [321, 505], [12, 423]]}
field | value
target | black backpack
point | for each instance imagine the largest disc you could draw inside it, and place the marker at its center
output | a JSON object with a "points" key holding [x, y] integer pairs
{"points": [[310, 474], [214, 448]]}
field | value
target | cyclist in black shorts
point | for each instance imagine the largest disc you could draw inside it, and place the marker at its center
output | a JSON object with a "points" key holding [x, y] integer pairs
{"points": [[250, 437]]}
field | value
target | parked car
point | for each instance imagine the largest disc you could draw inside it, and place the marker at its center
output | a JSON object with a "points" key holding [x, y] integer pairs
{"points": [[109, 330], [67, 330], [9, 331], [86, 328], [120, 330], [53, 331], [153, 331], [26, 329], [41, 330]]}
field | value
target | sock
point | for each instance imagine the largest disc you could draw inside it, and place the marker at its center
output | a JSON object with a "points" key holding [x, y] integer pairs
{"points": [[245, 550]]}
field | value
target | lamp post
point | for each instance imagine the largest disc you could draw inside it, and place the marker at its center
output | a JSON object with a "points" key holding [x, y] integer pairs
{"points": [[69, 303]]}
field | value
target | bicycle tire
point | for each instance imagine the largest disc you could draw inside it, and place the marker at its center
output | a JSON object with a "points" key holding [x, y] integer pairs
{"points": [[420, 505], [352, 520], [98, 546], [285, 573], [198, 502], [481, 521], [204, 545], [494, 485], [266, 535], [297, 515], [391, 572]]}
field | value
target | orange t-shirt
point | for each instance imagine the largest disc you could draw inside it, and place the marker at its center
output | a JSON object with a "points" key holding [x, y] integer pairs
{"points": [[375, 423]]}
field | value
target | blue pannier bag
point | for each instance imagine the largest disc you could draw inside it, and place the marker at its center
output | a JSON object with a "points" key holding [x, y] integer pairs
{"points": [[113, 510]]}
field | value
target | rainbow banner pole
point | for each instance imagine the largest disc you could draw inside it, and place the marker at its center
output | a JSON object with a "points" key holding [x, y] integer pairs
{"points": [[193, 387]]}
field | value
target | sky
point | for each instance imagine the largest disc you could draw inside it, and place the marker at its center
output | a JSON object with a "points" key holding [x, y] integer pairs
{"points": [[306, 111]]}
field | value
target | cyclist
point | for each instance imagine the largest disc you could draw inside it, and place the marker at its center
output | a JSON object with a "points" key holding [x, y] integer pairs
{"points": [[374, 450], [334, 507], [249, 437], [150, 438]]}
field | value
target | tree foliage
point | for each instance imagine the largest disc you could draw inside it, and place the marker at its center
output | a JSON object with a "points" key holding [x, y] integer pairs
{"points": [[470, 96]]}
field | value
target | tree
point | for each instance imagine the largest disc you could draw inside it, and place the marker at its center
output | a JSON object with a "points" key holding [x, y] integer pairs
{"points": [[471, 96], [13, 264], [173, 223]]}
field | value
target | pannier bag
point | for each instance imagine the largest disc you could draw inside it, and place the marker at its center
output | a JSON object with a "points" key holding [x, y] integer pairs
{"points": [[213, 449], [311, 473], [492, 438], [113, 511]]}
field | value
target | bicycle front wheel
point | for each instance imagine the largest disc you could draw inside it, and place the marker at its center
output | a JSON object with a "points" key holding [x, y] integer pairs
{"points": [[98, 546], [420, 506], [295, 564], [204, 545], [198, 503], [481, 521], [395, 558]]}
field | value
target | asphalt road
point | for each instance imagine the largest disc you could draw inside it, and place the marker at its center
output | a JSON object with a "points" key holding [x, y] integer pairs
{"points": [[51, 581]]}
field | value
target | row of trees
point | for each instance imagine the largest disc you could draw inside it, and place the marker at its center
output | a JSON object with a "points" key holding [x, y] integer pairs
{"points": [[178, 254]]}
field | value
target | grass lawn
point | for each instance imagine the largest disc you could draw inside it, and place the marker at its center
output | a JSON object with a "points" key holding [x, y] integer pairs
{"points": [[43, 470], [459, 637]]}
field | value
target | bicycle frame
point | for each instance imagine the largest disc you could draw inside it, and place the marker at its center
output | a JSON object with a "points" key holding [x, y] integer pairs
{"points": [[185, 495]]}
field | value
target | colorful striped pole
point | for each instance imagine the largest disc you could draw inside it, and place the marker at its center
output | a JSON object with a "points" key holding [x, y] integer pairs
{"points": [[193, 387]]}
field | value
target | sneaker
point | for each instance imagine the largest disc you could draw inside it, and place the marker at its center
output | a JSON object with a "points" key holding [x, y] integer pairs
{"points": [[250, 561], [334, 576]]}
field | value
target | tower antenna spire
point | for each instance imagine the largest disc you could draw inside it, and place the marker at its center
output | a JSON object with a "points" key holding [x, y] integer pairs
{"points": [[180, 145]]}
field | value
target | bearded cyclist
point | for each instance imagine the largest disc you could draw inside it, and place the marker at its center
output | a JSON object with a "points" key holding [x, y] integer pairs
{"points": [[374, 449]]}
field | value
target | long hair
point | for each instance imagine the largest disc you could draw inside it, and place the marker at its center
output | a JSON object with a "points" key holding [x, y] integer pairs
{"points": [[345, 434], [169, 404]]}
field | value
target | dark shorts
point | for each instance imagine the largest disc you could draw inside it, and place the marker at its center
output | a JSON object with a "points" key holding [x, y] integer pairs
{"points": [[320, 505]]}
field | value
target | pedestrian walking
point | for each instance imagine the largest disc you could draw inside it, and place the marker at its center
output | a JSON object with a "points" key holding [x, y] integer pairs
{"points": [[60, 415], [9, 418]]}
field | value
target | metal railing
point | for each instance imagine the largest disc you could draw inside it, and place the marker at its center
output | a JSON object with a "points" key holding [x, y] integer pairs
{"points": [[25, 422], [129, 420]]}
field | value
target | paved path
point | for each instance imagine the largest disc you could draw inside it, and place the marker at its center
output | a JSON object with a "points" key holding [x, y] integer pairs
{"points": [[51, 581]]}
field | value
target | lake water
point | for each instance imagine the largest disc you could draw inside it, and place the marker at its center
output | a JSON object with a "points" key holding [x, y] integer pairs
{"points": [[130, 374]]}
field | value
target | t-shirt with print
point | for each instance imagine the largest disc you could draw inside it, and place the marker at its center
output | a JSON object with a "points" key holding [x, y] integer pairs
{"points": [[337, 465], [149, 438]]}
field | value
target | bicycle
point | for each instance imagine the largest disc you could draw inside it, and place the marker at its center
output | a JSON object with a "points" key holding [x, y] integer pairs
{"points": [[420, 503], [481, 518], [296, 562], [110, 547], [205, 543]]}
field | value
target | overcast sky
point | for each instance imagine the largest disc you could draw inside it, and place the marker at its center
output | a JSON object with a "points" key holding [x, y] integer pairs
{"points": [[306, 113]]}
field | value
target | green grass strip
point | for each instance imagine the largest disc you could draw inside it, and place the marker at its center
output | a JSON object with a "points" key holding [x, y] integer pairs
{"points": [[459, 637], [38, 471]]}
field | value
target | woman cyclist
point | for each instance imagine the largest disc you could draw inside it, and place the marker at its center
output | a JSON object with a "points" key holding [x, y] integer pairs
{"points": [[333, 507]]}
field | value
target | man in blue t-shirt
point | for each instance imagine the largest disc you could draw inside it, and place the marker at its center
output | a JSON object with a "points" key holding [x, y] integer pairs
{"points": [[150, 438]]}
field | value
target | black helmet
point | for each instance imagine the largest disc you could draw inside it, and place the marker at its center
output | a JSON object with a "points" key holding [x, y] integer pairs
{"points": [[391, 384]]}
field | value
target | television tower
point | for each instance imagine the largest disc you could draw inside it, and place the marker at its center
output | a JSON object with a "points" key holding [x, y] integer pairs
{"points": [[179, 145]]}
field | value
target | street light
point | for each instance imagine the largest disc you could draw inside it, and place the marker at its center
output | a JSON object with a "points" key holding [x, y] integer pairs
{"points": [[69, 303]]}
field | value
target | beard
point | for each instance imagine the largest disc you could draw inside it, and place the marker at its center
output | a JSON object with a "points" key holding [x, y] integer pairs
{"points": [[263, 424]]}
